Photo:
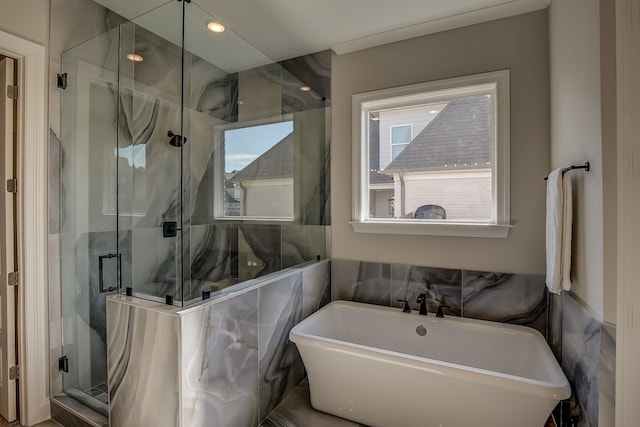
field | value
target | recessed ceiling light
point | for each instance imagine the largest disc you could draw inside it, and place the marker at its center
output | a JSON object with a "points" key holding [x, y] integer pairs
{"points": [[134, 57], [305, 88], [433, 111], [375, 119], [215, 27]]}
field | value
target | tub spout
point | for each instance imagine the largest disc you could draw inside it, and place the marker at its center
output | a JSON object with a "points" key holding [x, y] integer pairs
{"points": [[422, 300]]}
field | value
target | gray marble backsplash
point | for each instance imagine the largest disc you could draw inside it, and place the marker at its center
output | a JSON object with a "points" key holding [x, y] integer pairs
{"points": [[512, 298]]}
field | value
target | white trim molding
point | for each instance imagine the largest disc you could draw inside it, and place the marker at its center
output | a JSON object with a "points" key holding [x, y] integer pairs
{"points": [[32, 152], [628, 327]]}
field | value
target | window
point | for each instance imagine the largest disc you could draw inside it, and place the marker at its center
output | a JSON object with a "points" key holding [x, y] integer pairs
{"points": [[258, 163], [433, 158], [401, 136]]}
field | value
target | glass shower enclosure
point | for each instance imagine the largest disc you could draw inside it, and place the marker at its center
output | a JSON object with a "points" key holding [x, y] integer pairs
{"points": [[191, 163]]}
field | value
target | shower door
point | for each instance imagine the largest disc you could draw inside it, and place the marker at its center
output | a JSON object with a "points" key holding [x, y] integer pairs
{"points": [[89, 260]]}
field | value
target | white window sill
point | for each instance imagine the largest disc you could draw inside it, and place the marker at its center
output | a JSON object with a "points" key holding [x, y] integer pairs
{"points": [[495, 231]]}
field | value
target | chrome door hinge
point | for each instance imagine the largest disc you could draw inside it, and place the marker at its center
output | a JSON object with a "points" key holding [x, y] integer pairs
{"points": [[14, 372], [12, 185], [12, 92], [62, 80], [13, 279]]}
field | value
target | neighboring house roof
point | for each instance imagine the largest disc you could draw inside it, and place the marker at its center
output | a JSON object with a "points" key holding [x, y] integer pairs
{"points": [[459, 135], [277, 162]]}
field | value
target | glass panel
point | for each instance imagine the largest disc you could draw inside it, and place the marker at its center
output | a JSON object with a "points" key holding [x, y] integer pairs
{"points": [[89, 262], [401, 134], [254, 166], [149, 152], [445, 171]]}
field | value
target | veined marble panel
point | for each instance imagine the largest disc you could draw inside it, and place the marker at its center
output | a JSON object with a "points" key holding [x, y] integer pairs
{"points": [[154, 263], [302, 243], [316, 287], [366, 282], [441, 285], [281, 369], [581, 359], [143, 367], [213, 257], [509, 298], [259, 250], [607, 376], [554, 328], [220, 363]]}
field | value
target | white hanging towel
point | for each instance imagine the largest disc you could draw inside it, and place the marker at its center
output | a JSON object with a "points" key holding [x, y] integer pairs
{"points": [[558, 232]]}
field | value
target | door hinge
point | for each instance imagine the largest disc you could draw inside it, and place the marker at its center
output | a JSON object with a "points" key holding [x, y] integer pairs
{"points": [[63, 364], [12, 92], [13, 279], [12, 185], [62, 80], [14, 372]]}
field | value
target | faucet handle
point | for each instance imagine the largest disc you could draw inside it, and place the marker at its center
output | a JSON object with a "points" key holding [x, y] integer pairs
{"points": [[406, 308], [440, 312], [421, 298]]}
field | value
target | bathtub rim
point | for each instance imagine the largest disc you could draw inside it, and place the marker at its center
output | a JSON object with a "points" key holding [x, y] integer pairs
{"points": [[557, 389]]}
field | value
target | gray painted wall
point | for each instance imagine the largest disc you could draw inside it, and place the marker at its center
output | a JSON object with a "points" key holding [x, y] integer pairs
{"points": [[520, 44]]}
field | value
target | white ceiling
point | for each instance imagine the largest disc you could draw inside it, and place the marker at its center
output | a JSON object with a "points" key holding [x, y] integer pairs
{"points": [[283, 29]]}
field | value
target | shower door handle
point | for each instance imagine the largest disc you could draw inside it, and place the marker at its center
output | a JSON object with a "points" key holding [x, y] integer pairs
{"points": [[101, 271]]}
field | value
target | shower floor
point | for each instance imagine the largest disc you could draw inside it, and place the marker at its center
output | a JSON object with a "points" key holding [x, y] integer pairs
{"points": [[100, 392], [96, 397]]}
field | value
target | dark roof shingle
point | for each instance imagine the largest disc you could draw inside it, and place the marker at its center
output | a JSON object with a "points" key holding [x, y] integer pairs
{"points": [[459, 135], [277, 162]]}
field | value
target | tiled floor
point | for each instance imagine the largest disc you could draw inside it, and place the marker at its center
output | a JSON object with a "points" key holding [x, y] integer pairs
{"points": [[296, 411], [48, 423]]}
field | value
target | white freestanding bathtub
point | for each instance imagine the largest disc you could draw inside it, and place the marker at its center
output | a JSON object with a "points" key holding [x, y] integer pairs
{"points": [[376, 366]]}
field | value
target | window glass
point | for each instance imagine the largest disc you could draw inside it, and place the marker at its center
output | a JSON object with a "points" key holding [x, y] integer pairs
{"points": [[258, 171], [436, 153]]}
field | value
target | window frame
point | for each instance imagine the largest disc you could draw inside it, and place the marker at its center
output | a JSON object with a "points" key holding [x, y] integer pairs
{"points": [[416, 94]]}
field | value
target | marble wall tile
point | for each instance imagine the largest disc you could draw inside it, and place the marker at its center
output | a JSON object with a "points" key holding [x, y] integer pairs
{"points": [[220, 363], [316, 287], [314, 70], [143, 366], [302, 243], [366, 282], [154, 263], [281, 369], [607, 375], [441, 285], [554, 324], [580, 359], [259, 250], [511, 298], [214, 257]]}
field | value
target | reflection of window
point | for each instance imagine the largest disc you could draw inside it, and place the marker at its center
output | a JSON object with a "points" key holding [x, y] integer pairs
{"points": [[400, 138], [442, 144], [131, 193], [258, 170]]}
